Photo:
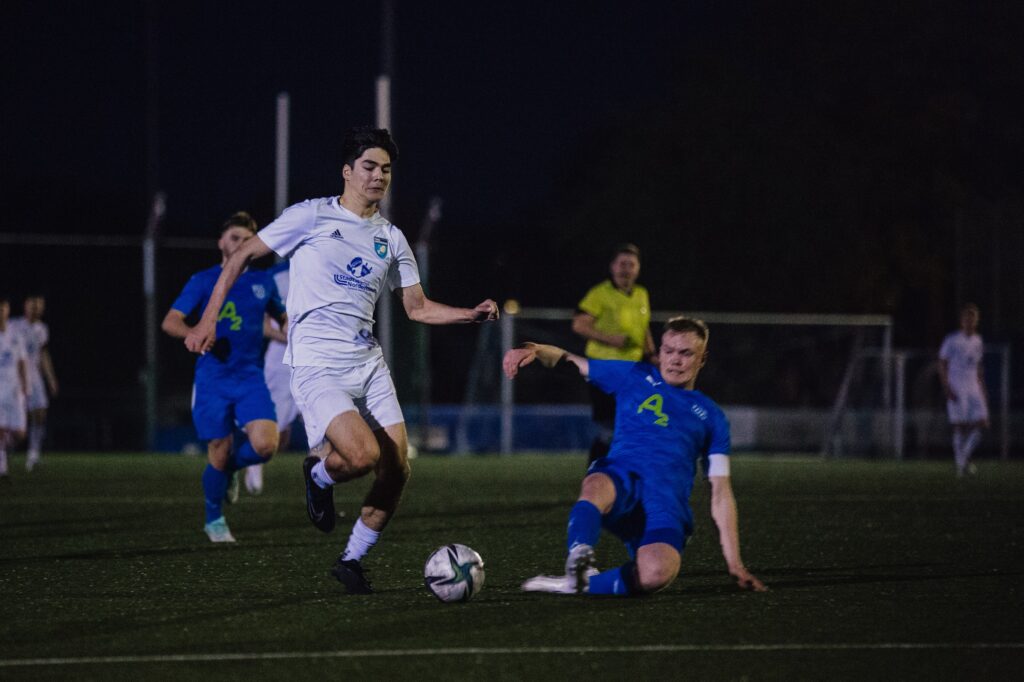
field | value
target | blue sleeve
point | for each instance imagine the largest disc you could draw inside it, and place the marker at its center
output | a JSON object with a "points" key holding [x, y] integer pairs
{"points": [[609, 375], [195, 293], [720, 442]]}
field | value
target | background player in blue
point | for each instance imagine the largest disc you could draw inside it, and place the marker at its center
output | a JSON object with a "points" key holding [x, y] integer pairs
{"points": [[641, 490], [229, 385]]}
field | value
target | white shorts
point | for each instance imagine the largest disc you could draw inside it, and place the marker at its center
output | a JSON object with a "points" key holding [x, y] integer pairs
{"points": [[12, 411], [968, 408], [279, 382], [37, 399], [322, 393]]}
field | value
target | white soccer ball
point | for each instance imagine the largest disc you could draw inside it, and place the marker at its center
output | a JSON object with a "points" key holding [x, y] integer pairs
{"points": [[454, 573]]}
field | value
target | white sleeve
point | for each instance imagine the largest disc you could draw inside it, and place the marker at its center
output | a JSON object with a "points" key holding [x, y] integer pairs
{"points": [[718, 465], [946, 350], [404, 271], [285, 234]]}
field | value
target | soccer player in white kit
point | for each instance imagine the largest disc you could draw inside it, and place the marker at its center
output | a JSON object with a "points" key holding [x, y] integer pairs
{"points": [[962, 374], [13, 384], [36, 336], [343, 254], [278, 377]]}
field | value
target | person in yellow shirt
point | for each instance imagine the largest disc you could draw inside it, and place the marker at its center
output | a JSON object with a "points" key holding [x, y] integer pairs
{"points": [[614, 317]]}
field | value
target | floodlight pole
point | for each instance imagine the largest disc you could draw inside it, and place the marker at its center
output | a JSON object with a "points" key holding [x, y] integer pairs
{"points": [[281, 157], [384, 307], [149, 374], [424, 379]]}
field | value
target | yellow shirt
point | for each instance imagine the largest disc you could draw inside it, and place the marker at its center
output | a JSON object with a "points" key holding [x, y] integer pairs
{"points": [[616, 312]]}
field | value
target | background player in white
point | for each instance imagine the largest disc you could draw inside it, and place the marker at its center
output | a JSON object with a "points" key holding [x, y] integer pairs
{"points": [[343, 254], [13, 384], [963, 380], [278, 377], [37, 337]]}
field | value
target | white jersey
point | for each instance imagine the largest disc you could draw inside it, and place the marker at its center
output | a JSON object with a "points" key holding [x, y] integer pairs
{"points": [[964, 355], [340, 264], [12, 398], [36, 335], [12, 351]]}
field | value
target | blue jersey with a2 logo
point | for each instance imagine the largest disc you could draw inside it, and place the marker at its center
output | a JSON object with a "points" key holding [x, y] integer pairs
{"points": [[238, 350], [660, 430]]}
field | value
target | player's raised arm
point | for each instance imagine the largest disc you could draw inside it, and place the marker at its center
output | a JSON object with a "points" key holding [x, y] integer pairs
{"points": [[419, 308], [201, 337], [723, 511], [549, 356]]}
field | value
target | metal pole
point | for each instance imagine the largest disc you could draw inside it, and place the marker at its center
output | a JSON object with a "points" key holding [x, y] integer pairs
{"points": [[887, 386], [423, 375], [387, 58], [507, 322], [150, 373], [1004, 408], [900, 415], [281, 165]]}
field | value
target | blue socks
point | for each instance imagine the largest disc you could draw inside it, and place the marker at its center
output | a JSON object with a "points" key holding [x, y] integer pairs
{"points": [[619, 581], [245, 456], [584, 525], [215, 484]]}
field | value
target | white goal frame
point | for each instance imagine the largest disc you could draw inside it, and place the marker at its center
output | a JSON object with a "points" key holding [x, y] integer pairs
{"points": [[892, 399]]}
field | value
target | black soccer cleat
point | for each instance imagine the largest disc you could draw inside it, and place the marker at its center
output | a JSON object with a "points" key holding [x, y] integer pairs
{"points": [[319, 501], [351, 574]]}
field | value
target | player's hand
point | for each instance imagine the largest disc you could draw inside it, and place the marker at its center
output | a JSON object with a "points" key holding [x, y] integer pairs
{"points": [[746, 580], [201, 337], [516, 358], [486, 311]]}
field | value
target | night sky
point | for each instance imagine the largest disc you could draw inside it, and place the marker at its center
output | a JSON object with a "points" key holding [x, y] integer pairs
{"points": [[766, 156]]}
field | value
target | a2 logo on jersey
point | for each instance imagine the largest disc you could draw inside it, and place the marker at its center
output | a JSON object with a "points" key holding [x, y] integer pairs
{"points": [[656, 402]]}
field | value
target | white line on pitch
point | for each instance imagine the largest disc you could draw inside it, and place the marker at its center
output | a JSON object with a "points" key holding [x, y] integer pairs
{"points": [[474, 651]]}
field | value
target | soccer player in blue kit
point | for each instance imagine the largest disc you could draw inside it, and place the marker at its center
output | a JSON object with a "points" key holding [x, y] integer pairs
{"points": [[640, 492], [229, 385]]}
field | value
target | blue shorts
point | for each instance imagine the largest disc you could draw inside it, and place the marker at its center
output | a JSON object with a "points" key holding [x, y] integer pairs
{"points": [[219, 404], [644, 511]]}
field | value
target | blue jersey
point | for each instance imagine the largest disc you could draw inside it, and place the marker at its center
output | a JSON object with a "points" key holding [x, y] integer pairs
{"points": [[238, 350], [660, 430]]}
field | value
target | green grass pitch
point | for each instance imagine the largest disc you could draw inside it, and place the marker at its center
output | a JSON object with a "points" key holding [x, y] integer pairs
{"points": [[877, 570]]}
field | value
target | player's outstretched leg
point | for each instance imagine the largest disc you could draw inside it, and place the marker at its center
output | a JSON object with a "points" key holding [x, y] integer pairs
{"points": [[319, 494]]}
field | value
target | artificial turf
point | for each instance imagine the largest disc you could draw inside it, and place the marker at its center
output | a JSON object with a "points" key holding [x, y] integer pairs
{"points": [[876, 569]]}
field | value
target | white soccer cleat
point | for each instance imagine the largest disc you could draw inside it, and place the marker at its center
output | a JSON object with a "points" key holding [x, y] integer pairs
{"points": [[254, 479], [558, 584], [218, 531], [554, 584], [579, 566]]}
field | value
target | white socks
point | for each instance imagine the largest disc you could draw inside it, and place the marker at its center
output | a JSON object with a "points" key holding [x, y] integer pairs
{"points": [[360, 541], [320, 475], [35, 439], [964, 445]]}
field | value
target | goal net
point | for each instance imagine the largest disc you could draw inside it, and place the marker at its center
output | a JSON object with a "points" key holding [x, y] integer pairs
{"points": [[788, 382]]}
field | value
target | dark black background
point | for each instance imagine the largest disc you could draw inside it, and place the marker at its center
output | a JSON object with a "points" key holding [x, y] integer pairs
{"points": [[852, 157]]}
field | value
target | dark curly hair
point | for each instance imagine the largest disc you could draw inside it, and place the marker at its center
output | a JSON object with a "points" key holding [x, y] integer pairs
{"points": [[359, 139]]}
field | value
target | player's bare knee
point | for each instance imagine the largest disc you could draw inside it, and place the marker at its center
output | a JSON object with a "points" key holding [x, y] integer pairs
{"points": [[655, 576], [363, 460], [265, 448]]}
